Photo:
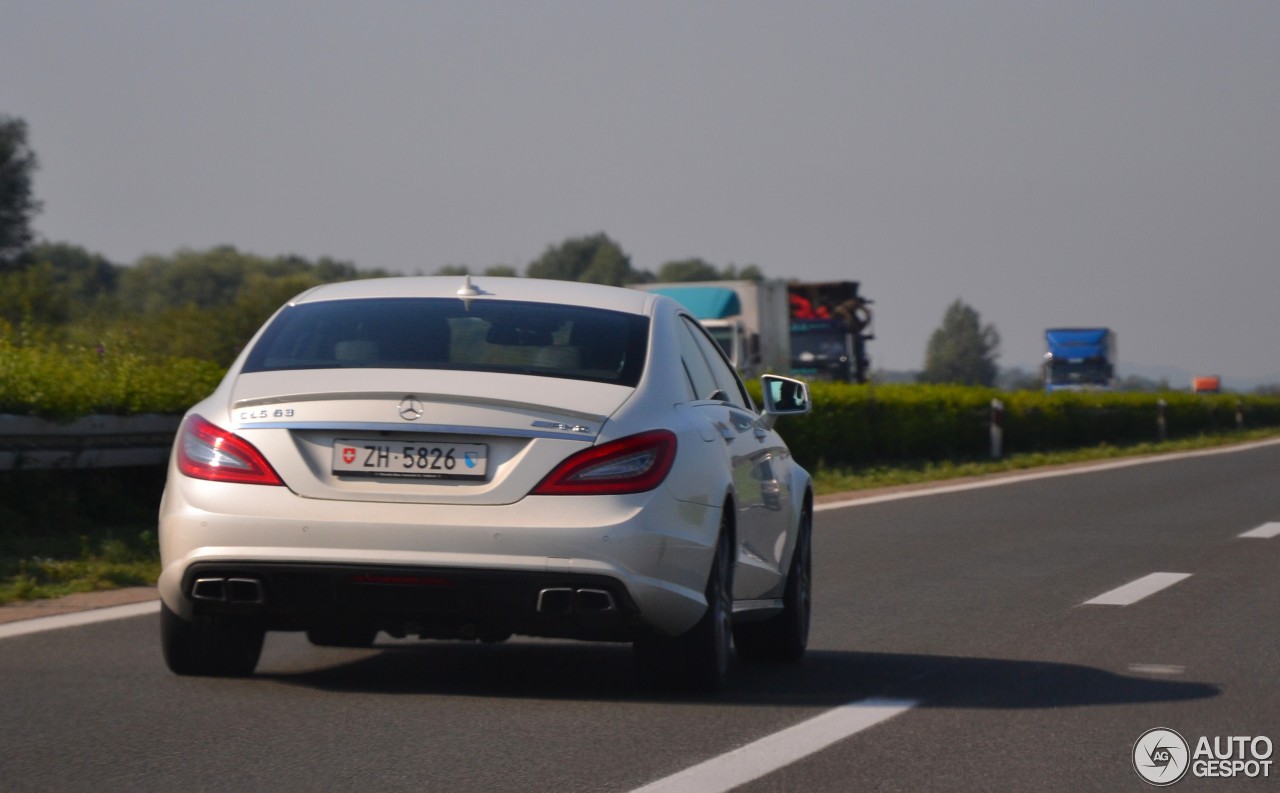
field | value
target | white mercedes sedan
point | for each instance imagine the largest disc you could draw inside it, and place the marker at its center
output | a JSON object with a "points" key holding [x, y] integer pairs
{"points": [[475, 458]]}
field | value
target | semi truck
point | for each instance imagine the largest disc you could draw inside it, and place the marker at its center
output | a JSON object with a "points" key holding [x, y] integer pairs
{"points": [[817, 331], [748, 319], [1079, 359], [830, 327]]}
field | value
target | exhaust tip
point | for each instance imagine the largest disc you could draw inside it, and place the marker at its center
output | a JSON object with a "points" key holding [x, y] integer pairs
{"points": [[211, 589], [244, 590], [228, 590], [594, 600], [556, 600], [566, 600]]}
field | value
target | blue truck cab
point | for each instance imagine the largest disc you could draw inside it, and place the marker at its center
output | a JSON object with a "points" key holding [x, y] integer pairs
{"points": [[1079, 359]]}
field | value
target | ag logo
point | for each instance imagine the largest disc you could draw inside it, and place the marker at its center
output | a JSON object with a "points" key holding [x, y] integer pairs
{"points": [[1160, 756]]}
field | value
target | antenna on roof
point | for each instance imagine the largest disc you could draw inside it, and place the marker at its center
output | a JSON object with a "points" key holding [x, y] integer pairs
{"points": [[467, 289]]}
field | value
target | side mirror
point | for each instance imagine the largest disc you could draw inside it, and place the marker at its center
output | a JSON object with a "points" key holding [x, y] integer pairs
{"points": [[784, 396]]}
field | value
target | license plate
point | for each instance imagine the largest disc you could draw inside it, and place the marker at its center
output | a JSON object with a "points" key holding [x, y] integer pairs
{"points": [[419, 460]]}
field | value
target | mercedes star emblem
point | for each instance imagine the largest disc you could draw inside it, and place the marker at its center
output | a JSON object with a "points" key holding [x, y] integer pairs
{"points": [[410, 409]]}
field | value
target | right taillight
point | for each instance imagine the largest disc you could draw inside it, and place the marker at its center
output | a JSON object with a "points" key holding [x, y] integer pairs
{"points": [[206, 451], [628, 465]]}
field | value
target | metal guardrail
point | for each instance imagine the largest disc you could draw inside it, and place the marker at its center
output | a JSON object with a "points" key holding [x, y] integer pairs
{"points": [[28, 443]]}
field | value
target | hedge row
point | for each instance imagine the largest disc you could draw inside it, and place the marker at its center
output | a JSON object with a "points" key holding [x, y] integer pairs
{"points": [[65, 382], [850, 424], [855, 425]]}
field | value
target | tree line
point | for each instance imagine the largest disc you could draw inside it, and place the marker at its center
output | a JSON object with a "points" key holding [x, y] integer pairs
{"points": [[207, 304], [598, 259]]}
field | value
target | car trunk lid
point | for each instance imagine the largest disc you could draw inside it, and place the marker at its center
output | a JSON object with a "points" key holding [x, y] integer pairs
{"points": [[447, 436]]}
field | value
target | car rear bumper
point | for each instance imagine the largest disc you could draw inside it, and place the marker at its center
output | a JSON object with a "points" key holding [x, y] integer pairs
{"points": [[440, 603], [599, 568]]}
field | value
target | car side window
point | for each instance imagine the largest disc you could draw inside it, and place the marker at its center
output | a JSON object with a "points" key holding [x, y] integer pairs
{"points": [[695, 364], [727, 384]]}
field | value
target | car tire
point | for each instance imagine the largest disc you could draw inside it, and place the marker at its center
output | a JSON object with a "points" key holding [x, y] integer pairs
{"points": [[209, 646], [342, 636], [698, 659], [785, 637]]}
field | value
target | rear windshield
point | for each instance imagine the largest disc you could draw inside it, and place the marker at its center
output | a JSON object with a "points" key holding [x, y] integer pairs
{"points": [[445, 333]]}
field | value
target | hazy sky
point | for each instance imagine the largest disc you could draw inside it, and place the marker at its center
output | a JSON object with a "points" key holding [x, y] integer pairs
{"points": [[1050, 163]]}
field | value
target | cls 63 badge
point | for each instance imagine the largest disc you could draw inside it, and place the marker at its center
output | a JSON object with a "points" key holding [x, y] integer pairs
{"points": [[260, 414]]}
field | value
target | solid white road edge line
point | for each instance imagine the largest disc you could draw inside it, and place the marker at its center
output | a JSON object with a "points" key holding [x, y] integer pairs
{"points": [[780, 749], [1264, 532], [39, 624], [1132, 592], [1034, 475]]}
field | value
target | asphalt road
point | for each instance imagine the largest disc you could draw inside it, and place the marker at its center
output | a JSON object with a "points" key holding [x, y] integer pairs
{"points": [[963, 614]]}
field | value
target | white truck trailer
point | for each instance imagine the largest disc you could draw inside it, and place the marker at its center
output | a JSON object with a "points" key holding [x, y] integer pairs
{"points": [[751, 320]]}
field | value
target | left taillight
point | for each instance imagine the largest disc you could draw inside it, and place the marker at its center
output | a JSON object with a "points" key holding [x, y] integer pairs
{"points": [[629, 465], [209, 452]]}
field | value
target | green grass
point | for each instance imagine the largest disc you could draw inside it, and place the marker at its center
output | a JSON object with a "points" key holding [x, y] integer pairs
{"points": [[32, 569], [831, 480], [63, 532]]}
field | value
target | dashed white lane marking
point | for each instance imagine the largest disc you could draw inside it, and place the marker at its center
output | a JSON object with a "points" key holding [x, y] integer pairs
{"points": [[1157, 669], [1264, 532], [1132, 592], [24, 627], [780, 749]]}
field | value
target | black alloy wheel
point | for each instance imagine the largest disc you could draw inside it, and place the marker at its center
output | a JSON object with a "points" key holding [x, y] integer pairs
{"points": [[786, 636], [698, 659], [210, 646]]}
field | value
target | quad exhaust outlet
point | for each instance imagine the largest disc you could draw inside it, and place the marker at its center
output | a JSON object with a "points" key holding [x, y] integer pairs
{"points": [[567, 600], [228, 590]]}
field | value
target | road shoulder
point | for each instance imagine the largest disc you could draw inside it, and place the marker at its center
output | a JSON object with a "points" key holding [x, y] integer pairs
{"points": [[83, 601]]}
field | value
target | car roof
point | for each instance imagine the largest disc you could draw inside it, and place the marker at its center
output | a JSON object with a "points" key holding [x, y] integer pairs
{"points": [[536, 290]]}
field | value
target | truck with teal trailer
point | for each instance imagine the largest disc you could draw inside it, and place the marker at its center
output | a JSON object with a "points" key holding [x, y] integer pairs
{"points": [[748, 319], [815, 331]]}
